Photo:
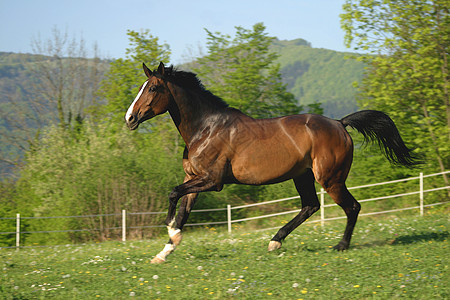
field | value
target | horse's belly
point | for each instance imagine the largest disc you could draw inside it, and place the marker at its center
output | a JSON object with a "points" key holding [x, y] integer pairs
{"points": [[266, 166]]}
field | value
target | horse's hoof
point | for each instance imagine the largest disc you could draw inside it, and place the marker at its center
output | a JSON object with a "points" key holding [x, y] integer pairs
{"points": [[157, 260], [274, 245], [341, 246]]}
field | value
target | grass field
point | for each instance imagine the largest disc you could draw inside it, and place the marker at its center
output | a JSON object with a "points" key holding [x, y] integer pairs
{"points": [[405, 256]]}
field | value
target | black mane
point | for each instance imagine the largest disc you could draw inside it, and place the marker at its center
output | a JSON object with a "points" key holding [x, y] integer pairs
{"points": [[190, 81]]}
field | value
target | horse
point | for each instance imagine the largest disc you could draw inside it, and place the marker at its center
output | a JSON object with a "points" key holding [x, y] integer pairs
{"points": [[225, 146]]}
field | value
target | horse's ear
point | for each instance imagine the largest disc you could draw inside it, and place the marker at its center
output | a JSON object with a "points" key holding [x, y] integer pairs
{"points": [[147, 71], [161, 69]]}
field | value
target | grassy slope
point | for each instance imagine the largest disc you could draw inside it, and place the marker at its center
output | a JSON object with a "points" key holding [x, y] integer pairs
{"points": [[393, 257]]}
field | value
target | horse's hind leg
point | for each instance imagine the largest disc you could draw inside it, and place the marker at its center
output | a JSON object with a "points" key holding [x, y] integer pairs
{"points": [[310, 204], [351, 207]]}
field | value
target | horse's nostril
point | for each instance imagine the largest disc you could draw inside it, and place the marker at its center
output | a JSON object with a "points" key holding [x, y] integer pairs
{"points": [[131, 118]]}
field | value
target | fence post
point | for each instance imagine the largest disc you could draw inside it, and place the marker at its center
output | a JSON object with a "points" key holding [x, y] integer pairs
{"points": [[421, 193], [124, 225], [17, 231], [322, 206], [229, 217]]}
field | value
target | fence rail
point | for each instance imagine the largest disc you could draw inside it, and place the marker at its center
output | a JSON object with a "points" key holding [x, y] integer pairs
{"points": [[421, 191]]}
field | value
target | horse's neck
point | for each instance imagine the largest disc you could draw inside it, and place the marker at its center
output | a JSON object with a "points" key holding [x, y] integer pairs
{"points": [[188, 112]]}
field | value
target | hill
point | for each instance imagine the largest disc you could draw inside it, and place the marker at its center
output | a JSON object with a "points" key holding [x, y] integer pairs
{"points": [[312, 75], [13, 82], [31, 89], [320, 75]]}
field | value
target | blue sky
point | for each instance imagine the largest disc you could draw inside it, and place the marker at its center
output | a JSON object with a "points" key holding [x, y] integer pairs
{"points": [[179, 23]]}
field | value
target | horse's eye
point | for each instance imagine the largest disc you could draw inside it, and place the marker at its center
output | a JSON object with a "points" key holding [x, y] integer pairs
{"points": [[152, 88]]}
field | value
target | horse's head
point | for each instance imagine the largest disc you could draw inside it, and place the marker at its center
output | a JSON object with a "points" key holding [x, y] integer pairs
{"points": [[153, 98]]}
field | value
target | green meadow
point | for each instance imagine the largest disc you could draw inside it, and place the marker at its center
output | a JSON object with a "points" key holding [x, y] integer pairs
{"points": [[391, 257]]}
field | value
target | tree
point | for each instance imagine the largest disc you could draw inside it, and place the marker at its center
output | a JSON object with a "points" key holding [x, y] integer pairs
{"points": [[407, 45], [243, 72], [63, 83], [8, 208], [122, 81], [93, 172], [65, 79], [102, 167]]}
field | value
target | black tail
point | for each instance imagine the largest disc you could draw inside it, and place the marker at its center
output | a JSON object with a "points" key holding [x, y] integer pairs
{"points": [[377, 126]]}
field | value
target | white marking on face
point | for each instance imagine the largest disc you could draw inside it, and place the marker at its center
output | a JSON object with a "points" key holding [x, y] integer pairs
{"points": [[130, 109]]}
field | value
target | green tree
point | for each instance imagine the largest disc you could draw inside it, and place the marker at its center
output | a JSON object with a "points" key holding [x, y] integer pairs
{"points": [[122, 81], [95, 172], [242, 71], [65, 79], [407, 45], [8, 209], [101, 167]]}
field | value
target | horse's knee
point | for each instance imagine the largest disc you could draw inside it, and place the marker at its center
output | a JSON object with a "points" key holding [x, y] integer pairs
{"points": [[343, 198], [314, 208], [353, 209], [309, 210], [173, 197], [356, 206]]}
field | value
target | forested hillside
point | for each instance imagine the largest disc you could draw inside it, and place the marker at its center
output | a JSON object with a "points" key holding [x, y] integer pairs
{"points": [[313, 75], [14, 80], [320, 76], [36, 91]]}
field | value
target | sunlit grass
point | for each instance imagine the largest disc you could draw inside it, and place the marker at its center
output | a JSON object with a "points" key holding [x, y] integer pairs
{"points": [[390, 257]]}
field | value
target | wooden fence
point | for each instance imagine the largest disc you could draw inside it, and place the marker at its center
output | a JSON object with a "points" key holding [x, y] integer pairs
{"points": [[229, 209]]}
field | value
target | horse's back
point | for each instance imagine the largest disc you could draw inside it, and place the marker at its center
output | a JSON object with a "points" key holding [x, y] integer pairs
{"points": [[316, 130], [273, 150]]}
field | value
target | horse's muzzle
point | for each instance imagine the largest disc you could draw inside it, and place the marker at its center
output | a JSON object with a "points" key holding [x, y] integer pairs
{"points": [[132, 123]]}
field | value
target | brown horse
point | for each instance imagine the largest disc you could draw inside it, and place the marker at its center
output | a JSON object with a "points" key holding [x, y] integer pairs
{"points": [[225, 146]]}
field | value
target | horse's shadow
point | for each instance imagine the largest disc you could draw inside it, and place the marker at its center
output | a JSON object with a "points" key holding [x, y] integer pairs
{"points": [[407, 239]]}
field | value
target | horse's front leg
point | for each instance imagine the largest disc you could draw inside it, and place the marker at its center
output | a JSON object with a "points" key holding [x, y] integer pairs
{"points": [[175, 226], [189, 190]]}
